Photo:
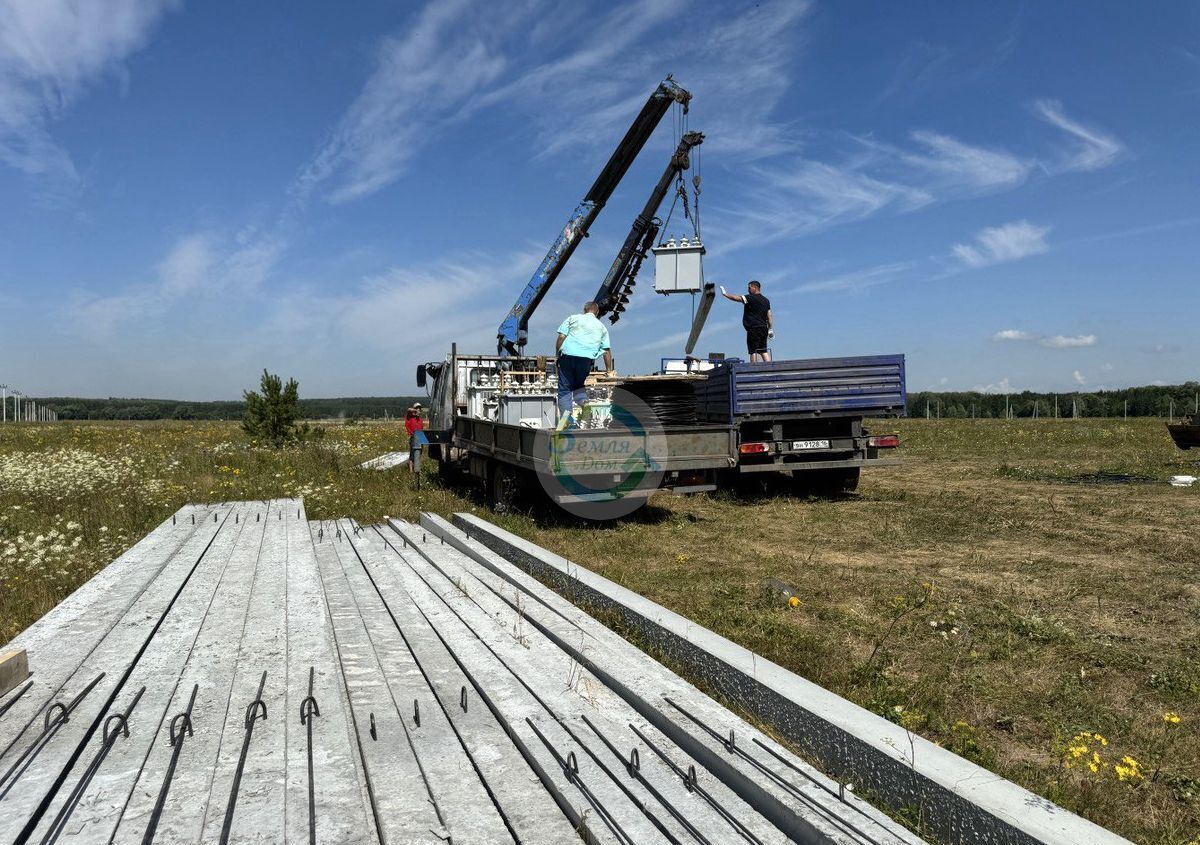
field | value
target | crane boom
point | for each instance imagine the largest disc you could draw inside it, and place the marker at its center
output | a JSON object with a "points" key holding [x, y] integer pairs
{"points": [[513, 332], [618, 283]]}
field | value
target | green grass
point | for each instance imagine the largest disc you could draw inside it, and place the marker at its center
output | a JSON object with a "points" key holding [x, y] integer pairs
{"points": [[1007, 609]]}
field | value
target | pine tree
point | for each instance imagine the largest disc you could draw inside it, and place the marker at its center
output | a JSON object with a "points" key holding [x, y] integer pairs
{"points": [[271, 416]]}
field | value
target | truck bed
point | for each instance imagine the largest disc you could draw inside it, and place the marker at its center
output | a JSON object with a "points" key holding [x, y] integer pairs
{"points": [[694, 447], [870, 385]]}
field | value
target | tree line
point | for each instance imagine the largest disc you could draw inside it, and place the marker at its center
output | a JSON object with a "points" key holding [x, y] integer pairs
{"points": [[353, 407], [1147, 401]]}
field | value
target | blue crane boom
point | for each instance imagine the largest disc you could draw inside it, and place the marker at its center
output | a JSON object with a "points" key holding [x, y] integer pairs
{"points": [[513, 333]]}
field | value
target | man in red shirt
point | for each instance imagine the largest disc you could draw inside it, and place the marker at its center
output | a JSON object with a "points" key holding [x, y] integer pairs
{"points": [[413, 421]]}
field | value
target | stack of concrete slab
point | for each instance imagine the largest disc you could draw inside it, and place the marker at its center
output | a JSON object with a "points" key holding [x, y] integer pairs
{"points": [[246, 675]]}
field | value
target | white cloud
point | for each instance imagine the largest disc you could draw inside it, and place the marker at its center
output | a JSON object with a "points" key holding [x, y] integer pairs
{"points": [[1057, 341], [1091, 148], [806, 195], [458, 57], [859, 279], [50, 52], [1009, 242], [1075, 341], [1107, 368], [200, 265], [1163, 349], [962, 164], [1079, 378], [678, 339], [420, 80], [1002, 386]]}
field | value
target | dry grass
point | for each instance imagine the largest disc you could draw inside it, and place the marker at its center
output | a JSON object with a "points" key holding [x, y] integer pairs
{"points": [[1026, 609]]}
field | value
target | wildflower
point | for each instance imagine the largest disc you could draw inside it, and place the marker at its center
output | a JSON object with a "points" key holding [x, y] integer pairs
{"points": [[1171, 717], [1128, 769]]}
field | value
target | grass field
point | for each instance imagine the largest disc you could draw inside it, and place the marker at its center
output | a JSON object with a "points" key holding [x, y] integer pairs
{"points": [[986, 594]]}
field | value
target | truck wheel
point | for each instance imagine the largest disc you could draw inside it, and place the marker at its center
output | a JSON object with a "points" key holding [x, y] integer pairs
{"points": [[825, 482], [503, 487]]}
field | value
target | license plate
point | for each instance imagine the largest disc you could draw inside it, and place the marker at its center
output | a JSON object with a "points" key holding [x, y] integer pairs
{"points": [[809, 444]]}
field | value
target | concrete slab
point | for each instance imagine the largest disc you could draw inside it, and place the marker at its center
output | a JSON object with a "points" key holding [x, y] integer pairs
{"points": [[512, 784], [589, 711], [453, 698], [90, 613], [14, 670], [804, 811], [959, 800]]}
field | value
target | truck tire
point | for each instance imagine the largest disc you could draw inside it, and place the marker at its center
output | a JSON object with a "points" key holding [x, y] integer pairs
{"points": [[503, 486], [825, 482]]}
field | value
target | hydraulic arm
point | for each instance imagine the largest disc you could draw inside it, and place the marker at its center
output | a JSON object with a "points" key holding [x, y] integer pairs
{"points": [[618, 284], [513, 333]]}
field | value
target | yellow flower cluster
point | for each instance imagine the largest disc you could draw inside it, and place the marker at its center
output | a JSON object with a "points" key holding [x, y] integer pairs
{"points": [[230, 470], [1083, 750], [1171, 717], [1128, 769]]}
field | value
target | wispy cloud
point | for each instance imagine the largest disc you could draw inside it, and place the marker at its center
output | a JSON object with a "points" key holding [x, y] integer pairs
{"points": [[1079, 377], [204, 264], [421, 79], [961, 165], [1074, 341], [678, 339], [1010, 242], [1001, 386], [456, 58], [804, 196], [1058, 341], [1091, 148], [50, 52], [859, 279]]}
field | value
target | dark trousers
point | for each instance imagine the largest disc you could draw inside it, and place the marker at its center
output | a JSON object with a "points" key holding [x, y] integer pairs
{"points": [[572, 373]]}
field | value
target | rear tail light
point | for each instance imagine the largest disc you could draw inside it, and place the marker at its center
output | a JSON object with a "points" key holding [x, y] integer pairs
{"points": [[884, 441], [752, 448]]}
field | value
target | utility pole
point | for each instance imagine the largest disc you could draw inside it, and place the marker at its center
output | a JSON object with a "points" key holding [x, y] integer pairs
{"points": [[3, 403], [1171, 417], [1126, 409]]}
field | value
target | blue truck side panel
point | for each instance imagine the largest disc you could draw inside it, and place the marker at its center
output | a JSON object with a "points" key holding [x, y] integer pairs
{"points": [[870, 385]]}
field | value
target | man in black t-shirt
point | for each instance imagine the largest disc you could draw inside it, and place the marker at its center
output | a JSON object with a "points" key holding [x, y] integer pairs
{"points": [[757, 320]]}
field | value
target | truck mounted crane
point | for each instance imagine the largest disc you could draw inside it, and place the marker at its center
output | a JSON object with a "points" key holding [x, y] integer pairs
{"points": [[494, 418], [513, 333]]}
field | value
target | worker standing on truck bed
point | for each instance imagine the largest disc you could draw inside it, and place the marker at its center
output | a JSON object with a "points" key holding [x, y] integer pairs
{"points": [[757, 320], [581, 339]]}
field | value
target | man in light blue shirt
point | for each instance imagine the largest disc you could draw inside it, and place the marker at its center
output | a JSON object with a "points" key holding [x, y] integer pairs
{"points": [[581, 338]]}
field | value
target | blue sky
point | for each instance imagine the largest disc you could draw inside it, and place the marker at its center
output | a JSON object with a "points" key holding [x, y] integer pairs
{"points": [[1005, 192]]}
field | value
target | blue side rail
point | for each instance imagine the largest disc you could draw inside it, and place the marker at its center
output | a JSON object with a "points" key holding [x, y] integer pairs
{"points": [[869, 385]]}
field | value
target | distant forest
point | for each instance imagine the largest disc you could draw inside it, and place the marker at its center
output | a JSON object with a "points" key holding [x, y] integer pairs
{"points": [[1150, 401], [354, 407]]}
